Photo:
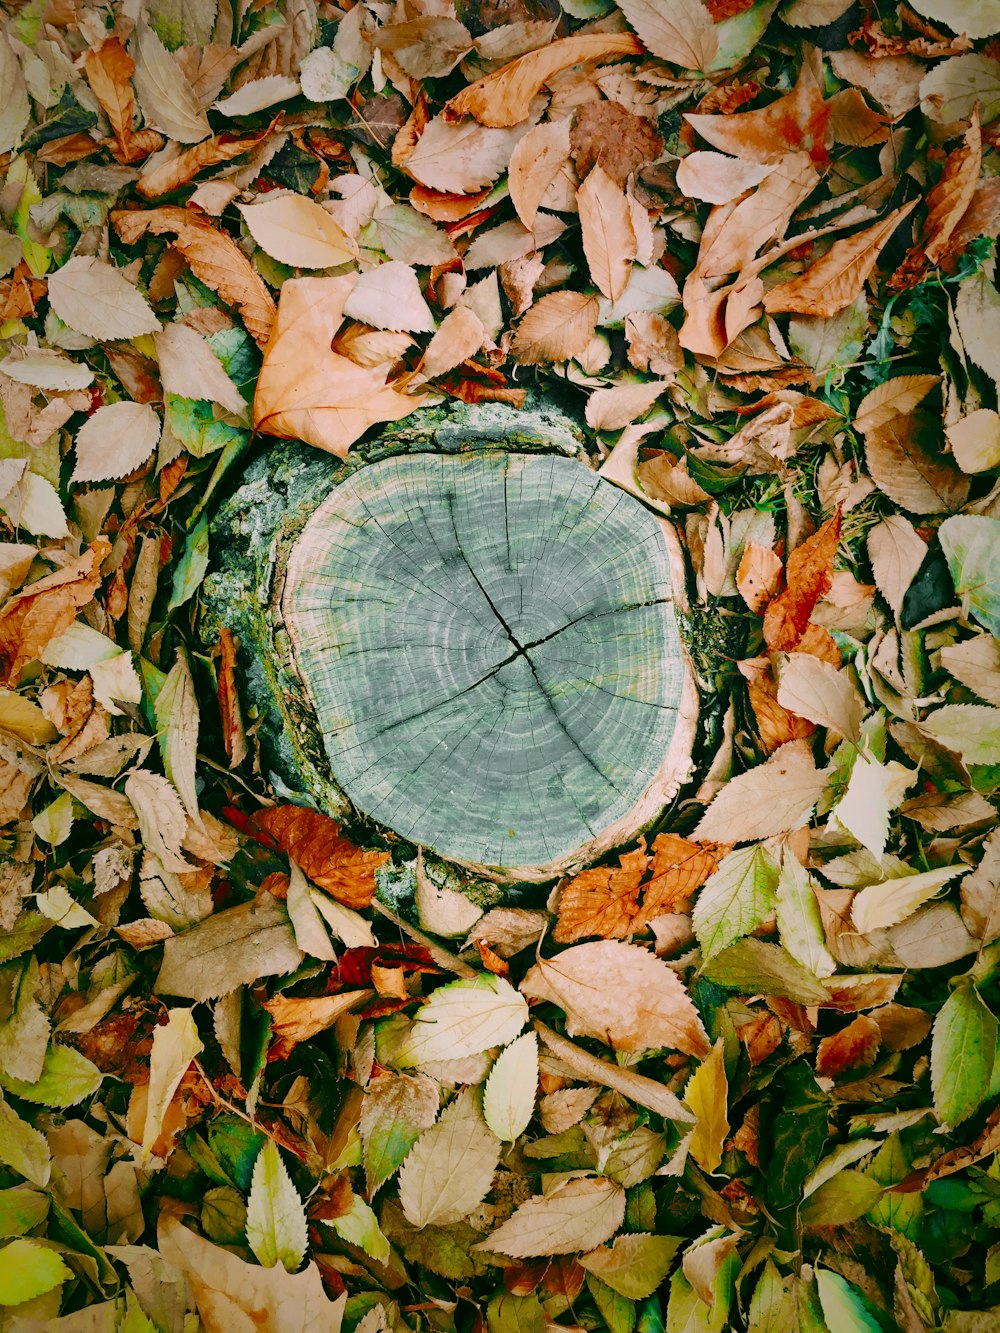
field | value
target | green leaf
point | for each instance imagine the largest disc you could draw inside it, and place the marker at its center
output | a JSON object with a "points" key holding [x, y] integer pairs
{"points": [[899, 1212], [27, 1270], [971, 729], [635, 1265], [397, 1107], [276, 1219], [844, 1308], [963, 1050], [844, 1198], [22, 1147], [67, 1078], [971, 545], [754, 966], [735, 899], [799, 921], [192, 567], [515, 1314], [21, 1210], [509, 1095], [617, 1311], [359, 1226], [223, 1215]]}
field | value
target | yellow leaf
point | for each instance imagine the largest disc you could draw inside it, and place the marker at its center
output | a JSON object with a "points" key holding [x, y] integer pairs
{"points": [[706, 1094]]}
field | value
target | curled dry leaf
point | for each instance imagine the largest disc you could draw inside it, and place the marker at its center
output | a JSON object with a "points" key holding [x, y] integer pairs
{"points": [[504, 98], [314, 843], [808, 576], [34, 616], [622, 995]]}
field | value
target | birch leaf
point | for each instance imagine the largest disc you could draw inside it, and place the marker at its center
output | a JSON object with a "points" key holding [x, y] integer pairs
{"points": [[633, 1265], [534, 165], [819, 692], [557, 327], [464, 1018], [577, 1215], [276, 1219], [680, 31], [963, 1051], [397, 1107], [509, 1095], [450, 1169], [389, 297]]}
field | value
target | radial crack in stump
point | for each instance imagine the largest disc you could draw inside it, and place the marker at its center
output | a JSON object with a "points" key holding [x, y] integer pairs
{"points": [[488, 648]]}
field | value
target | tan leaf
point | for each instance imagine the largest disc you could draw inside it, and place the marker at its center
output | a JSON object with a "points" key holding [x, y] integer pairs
{"points": [[715, 178], [798, 121], [680, 31], [504, 98], [425, 48], [775, 797], [297, 231], [838, 278], [557, 327], [389, 297], [617, 407], [213, 256], [459, 337], [306, 390], [952, 195], [976, 663], [896, 553], [894, 397], [168, 101], [653, 345], [578, 1214], [620, 994], [97, 299], [809, 575], [758, 576], [534, 165], [109, 72], [821, 693], [608, 238], [460, 157], [294, 1019], [975, 441], [34, 616], [190, 369], [314, 843], [115, 440], [905, 462], [167, 173]]}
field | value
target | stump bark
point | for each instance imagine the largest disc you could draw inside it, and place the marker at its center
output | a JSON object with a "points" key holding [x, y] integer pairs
{"points": [[482, 649]]}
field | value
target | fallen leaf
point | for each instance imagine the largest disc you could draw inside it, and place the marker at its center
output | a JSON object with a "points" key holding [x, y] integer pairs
{"points": [[34, 616], [116, 440], [821, 693], [575, 1215], [230, 949], [952, 194], [715, 178], [313, 841], [736, 899], [504, 97], [636, 1087], [109, 69], [608, 135], [389, 297], [94, 298], [297, 1019], [510, 1091], [608, 239], [463, 1018], [297, 231], [775, 797], [534, 165], [679, 31], [706, 1094], [451, 1166], [808, 576], [759, 575], [896, 553], [620, 994], [557, 327], [793, 123], [175, 1045], [309, 392], [460, 157], [167, 99]]}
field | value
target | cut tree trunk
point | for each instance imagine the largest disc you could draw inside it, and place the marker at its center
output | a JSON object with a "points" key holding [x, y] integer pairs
{"points": [[479, 649]]}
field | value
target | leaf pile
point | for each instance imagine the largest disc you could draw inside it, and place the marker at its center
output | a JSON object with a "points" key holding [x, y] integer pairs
{"points": [[744, 1075]]}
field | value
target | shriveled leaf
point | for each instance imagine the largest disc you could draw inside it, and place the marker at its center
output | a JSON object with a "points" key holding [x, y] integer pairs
{"points": [[636, 1087], [463, 1018], [509, 1094], [276, 1219], [809, 576], [451, 1166], [620, 994], [576, 1215]]}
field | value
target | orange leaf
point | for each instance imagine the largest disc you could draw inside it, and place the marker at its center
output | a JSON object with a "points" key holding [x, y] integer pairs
{"points": [[679, 867], [608, 238], [758, 576], [853, 1047], [313, 842], [306, 390], [947, 202], [838, 278], [233, 733], [603, 901], [175, 172], [799, 121], [34, 616], [809, 576], [504, 97], [109, 72], [213, 256], [294, 1020]]}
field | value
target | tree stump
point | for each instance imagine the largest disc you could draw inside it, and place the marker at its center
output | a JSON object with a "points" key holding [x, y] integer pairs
{"points": [[477, 646]]}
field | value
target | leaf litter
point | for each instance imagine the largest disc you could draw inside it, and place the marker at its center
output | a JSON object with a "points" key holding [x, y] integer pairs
{"points": [[742, 1074]]}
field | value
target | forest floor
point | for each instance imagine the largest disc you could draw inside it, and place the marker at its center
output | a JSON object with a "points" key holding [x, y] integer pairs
{"points": [[757, 1084]]}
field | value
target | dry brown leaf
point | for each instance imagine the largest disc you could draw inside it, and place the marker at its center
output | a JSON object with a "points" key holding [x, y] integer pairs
{"points": [[797, 122], [314, 843], [822, 694], [622, 995], [308, 391], [653, 345], [775, 797], [109, 72], [34, 616], [894, 397], [853, 1047], [294, 1020], [679, 868], [904, 461], [809, 575], [534, 165], [896, 553], [233, 733], [715, 178], [952, 195], [617, 407], [557, 327], [603, 901], [839, 277], [976, 663], [758, 577], [608, 135], [608, 237], [460, 157], [213, 256], [164, 176], [680, 31], [504, 98], [735, 234], [459, 337]]}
